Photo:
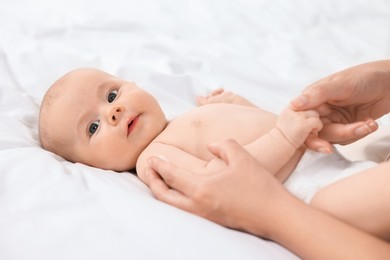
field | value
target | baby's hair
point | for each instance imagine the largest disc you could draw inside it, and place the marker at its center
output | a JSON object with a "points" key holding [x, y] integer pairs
{"points": [[47, 102], [50, 98]]}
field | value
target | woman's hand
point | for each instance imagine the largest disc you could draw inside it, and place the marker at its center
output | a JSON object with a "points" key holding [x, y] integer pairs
{"points": [[349, 101], [245, 196], [233, 196]]}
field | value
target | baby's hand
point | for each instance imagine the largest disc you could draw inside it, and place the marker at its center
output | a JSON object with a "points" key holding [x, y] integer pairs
{"points": [[297, 126], [221, 96]]}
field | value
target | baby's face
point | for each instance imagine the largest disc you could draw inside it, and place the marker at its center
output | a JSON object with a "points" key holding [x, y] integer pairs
{"points": [[106, 122]]}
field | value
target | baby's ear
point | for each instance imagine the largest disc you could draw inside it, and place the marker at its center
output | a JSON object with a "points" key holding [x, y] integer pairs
{"points": [[315, 143]]}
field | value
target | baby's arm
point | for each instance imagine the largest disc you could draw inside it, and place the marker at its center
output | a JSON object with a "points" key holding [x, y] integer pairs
{"points": [[222, 96], [274, 149], [277, 147]]}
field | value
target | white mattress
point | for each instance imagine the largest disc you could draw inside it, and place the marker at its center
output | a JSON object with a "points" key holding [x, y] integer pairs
{"points": [[266, 50]]}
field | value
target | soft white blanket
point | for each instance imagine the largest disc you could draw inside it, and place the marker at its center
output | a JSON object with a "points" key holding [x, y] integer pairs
{"points": [[266, 50]]}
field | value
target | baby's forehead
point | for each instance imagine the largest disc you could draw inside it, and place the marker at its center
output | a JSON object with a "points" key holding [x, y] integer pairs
{"points": [[83, 76], [79, 82], [75, 84]]}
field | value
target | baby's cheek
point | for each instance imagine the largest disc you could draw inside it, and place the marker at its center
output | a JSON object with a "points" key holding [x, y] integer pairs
{"points": [[110, 157]]}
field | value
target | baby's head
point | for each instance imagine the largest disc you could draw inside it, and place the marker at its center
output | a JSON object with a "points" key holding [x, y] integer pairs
{"points": [[92, 117]]}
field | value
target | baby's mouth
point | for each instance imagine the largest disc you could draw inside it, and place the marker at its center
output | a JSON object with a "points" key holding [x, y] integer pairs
{"points": [[132, 124]]}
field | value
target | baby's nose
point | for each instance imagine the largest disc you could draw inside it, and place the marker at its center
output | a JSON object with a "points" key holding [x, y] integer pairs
{"points": [[114, 115]]}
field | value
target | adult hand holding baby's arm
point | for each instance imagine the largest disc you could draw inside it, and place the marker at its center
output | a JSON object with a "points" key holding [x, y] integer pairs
{"points": [[348, 102], [245, 196], [216, 195], [297, 126], [279, 149]]}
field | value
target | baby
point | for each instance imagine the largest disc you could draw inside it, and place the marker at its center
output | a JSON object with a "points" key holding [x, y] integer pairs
{"points": [[92, 117]]}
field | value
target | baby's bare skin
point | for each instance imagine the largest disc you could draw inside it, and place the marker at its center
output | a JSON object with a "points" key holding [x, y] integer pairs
{"points": [[223, 115], [95, 118]]}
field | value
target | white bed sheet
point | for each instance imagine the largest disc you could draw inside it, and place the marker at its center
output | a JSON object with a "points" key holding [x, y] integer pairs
{"points": [[266, 50]]}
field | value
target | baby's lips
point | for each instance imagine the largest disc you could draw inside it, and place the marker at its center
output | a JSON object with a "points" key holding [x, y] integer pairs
{"points": [[131, 124]]}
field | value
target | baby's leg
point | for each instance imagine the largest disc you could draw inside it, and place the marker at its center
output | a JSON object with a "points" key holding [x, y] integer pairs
{"points": [[362, 200], [222, 96]]}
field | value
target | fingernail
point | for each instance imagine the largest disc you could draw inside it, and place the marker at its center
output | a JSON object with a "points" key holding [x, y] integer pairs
{"points": [[363, 130], [162, 158], [372, 125], [212, 144], [324, 150], [299, 101]]}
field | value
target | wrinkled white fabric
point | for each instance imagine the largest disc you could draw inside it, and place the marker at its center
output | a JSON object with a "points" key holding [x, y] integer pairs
{"points": [[317, 170], [265, 50]]}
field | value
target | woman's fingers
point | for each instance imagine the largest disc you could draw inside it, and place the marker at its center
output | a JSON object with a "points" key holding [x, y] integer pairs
{"points": [[347, 133], [313, 142], [329, 89], [229, 151], [176, 178], [164, 193], [340, 134]]}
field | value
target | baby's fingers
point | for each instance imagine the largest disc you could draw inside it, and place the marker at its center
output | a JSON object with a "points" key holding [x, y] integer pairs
{"points": [[216, 92], [213, 97]]}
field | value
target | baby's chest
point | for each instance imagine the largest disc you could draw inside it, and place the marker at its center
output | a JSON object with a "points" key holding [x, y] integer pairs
{"points": [[192, 131]]}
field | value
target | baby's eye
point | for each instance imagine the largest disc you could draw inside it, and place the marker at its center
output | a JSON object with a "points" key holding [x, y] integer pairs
{"points": [[93, 127], [112, 95]]}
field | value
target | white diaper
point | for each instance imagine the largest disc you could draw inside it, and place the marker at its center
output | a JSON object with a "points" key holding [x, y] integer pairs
{"points": [[317, 170]]}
